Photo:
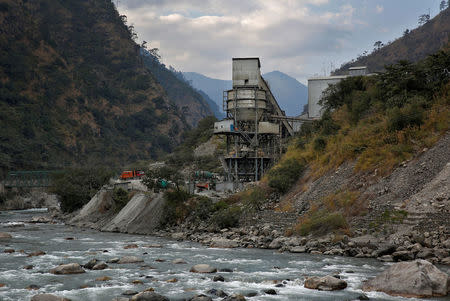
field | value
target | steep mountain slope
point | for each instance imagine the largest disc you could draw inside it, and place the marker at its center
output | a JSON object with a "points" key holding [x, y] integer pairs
{"points": [[212, 87], [414, 46], [192, 104], [290, 94], [74, 89]]}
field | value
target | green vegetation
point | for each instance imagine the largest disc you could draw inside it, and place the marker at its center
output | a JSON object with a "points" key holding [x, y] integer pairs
{"points": [[184, 153], [181, 206], [321, 222], [389, 217], [75, 187], [379, 120], [285, 174], [76, 91], [227, 218], [121, 198], [176, 208], [331, 214]]}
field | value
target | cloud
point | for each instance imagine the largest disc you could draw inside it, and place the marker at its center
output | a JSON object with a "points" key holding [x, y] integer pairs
{"points": [[204, 35], [379, 9]]}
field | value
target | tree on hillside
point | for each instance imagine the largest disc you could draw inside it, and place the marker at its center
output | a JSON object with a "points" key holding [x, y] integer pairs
{"points": [[424, 19], [378, 44], [443, 5]]}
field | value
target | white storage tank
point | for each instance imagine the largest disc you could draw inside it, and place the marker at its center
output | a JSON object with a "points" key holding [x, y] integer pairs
{"points": [[316, 86]]}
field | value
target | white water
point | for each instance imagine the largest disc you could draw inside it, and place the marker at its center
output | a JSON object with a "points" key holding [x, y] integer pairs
{"points": [[253, 270]]}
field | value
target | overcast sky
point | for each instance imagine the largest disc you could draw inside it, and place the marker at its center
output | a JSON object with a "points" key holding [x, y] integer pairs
{"points": [[302, 38]]}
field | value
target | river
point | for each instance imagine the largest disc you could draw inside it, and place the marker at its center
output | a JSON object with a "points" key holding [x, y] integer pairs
{"points": [[253, 270]]}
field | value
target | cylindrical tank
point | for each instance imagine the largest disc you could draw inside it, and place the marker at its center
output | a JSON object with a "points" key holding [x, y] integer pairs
{"points": [[247, 105]]}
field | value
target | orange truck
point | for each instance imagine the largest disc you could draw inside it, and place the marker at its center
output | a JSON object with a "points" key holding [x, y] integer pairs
{"points": [[128, 175]]}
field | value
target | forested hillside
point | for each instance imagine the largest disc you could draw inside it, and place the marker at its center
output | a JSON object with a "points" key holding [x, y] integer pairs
{"points": [[414, 46], [74, 89]]}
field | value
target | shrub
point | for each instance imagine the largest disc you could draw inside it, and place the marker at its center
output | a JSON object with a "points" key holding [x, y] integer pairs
{"points": [[321, 222], [319, 144], [227, 218], [203, 208], [282, 178], [175, 209], [121, 198], [400, 118], [75, 187]]}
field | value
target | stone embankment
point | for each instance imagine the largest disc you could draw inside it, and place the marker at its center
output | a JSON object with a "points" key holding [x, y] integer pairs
{"points": [[429, 246]]}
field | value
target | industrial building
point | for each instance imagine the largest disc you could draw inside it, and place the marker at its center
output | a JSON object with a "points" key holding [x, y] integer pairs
{"points": [[254, 126], [317, 85]]}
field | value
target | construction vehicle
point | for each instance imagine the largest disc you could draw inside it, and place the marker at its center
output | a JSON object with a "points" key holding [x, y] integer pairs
{"points": [[134, 174]]}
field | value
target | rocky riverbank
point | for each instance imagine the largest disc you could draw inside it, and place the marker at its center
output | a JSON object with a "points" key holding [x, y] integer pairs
{"points": [[431, 246]]}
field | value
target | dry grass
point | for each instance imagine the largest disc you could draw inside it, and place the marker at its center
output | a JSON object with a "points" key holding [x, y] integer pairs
{"points": [[371, 144]]}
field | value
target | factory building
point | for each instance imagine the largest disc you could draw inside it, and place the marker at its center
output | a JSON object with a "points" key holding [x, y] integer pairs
{"points": [[254, 126], [317, 85]]}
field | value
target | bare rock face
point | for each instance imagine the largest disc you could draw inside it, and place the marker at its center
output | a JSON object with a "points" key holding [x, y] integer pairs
{"points": [[203, 268], [417, 279], [326, 283], [70, 268], [48, 297]]}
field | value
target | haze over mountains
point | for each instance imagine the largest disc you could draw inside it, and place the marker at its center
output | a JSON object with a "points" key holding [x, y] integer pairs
{"points": [[290, 93]]}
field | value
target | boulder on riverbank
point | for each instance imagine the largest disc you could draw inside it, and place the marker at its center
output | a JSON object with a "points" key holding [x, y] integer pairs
{"points": [[203, 268], [419, 279], [326, 283], [70, 268], [48, 297]]}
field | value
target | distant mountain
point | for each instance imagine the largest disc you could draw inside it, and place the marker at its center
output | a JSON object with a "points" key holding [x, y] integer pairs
{"points": [[413, 46], [290, 94], [212, 87], [193, 105]]}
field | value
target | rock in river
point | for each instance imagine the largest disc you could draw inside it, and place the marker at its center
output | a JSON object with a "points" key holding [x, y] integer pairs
{"points": [[70, 268], [417, 278], [203, 268], [149, 296], [178, 261], [4, 235], [200, 297], [48, 297], [326, 283], [223, 243], [130, 259]]}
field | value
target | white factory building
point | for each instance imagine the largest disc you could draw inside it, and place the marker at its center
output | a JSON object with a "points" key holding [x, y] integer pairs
{"points": [[317, 85]]}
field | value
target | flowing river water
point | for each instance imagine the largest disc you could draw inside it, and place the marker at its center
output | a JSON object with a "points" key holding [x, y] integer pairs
{"points": [[253, 270]]}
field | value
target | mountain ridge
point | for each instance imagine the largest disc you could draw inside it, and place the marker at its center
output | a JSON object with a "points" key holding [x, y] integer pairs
{"points": [[74, 90], [413, 46], [290, 93]]}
